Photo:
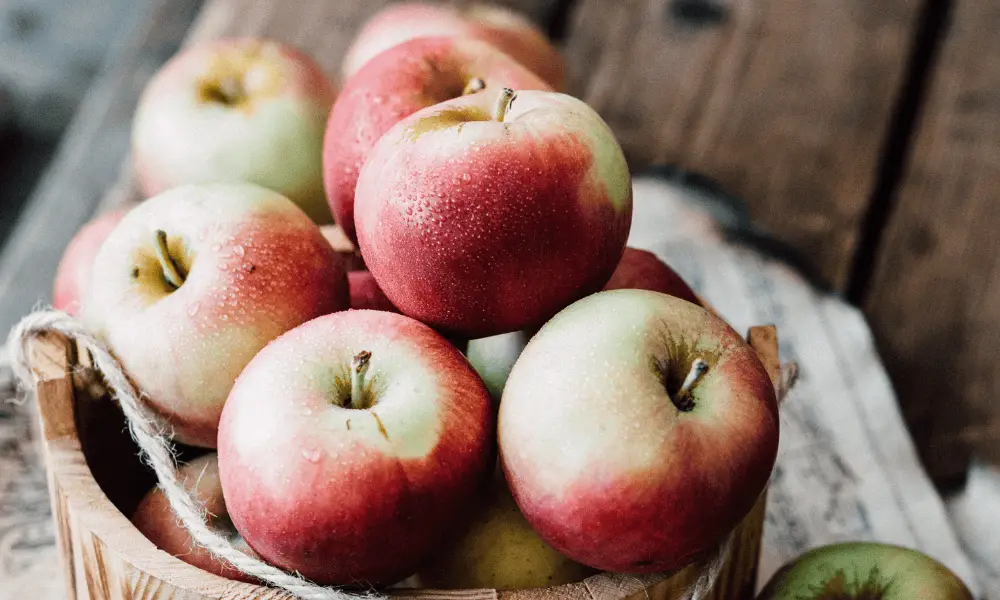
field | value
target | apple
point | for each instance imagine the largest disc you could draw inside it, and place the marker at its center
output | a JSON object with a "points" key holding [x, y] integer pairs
{"points": [[350, 444], [636, 430], [194, 281], [509, 205], [493, 357], [74, 267], [864, 571], [496, 548], [240, 109], [157, 521], [409, 77], [343, 246], [509, 31], [642, 270], [366, 294]]}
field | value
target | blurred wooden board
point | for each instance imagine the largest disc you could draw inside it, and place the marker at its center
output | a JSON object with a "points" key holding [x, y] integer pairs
{"points": [[785, 104], [935, 292]]}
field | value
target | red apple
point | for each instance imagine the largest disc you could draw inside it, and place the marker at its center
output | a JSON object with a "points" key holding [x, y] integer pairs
{"points": [[351, 444], [488, 214], [345, 248], [194, 281], [78, 258], [240, 109], [158, 522], [409, 77], [636, 430], [501, 27], [366, 294], [641, 270]]}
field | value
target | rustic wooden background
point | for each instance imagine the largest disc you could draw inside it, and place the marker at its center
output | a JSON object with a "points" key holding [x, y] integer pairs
{"points": [[863, 134]]}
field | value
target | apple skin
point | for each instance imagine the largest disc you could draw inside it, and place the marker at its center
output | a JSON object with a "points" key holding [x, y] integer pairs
{"points": [[157, 521], [864, 571], [414, 75], [186, 131], [591, 379], [73, 271], [507, 30], [366, 294], [496, 548], [345, 495], [506, 222], [642, 270], [256, 267], [493, 357]]}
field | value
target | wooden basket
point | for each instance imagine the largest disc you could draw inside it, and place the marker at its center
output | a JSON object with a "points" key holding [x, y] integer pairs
{"points": [[96, 479]]}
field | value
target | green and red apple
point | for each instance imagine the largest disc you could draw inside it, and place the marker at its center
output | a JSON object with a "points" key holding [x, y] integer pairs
{"points": [[493, 357], [157, 521], [351, 444], [508, 31], [73, 272], [864, 571], [496, 548], [231, 110], [636, 430], [491, 212], [194, 281], [398, 83]]}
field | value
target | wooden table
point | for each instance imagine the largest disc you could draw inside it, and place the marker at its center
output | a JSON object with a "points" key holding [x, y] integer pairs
{"points": [[862, 134]]}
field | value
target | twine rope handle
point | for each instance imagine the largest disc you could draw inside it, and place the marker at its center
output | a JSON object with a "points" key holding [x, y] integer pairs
{"points": [[152, 435]]}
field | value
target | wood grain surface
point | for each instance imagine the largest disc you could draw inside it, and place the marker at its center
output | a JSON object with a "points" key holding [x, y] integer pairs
{"points": [[783, 103], [935, 293]]}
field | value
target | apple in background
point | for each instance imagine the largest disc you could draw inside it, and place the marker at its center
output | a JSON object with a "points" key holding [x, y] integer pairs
{"points": [[398, 83], [687, 394], [239, 109], [509, 31], [351, 444], [343, 247], [642, 270], [493, 357], [509, 206], [73, 272], [366, 294], [157, 521], [864, 571], [194, 281], [496, 548]]}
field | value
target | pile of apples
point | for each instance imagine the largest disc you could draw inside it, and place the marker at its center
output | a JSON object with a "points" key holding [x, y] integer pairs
{"points": [[504, 396]]}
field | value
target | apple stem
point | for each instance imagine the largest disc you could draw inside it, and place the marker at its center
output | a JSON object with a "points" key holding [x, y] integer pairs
{"points": [[359, 366], [476, 84], [683, 397], [503, 103], [173, 272]]}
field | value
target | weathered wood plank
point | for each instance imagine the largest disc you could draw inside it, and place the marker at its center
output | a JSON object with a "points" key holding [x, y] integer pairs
{"points": [[784, 103], [935, 293], [88, 160]]}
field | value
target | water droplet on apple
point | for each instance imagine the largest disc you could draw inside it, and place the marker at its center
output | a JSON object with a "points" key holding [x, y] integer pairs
{"points": [[239, 250], [311, 454], [193, 309]]}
